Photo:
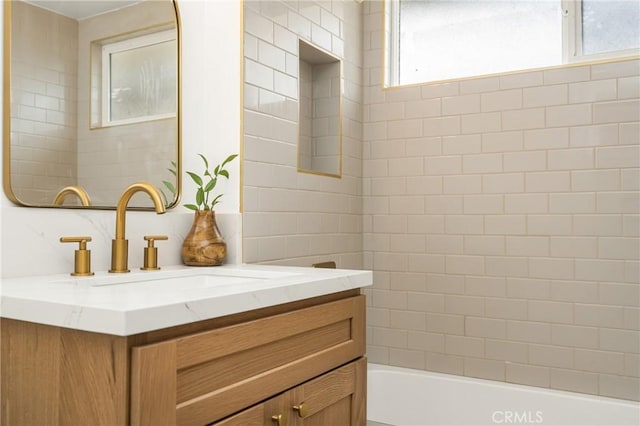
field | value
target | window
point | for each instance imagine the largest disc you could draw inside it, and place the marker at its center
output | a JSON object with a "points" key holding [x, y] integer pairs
{"points": [[138, 78], [431, 40], [606, 28]]}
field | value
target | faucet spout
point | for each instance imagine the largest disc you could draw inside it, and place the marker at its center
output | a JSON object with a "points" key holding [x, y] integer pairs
{"points": [[72, 189], [119, 246]]}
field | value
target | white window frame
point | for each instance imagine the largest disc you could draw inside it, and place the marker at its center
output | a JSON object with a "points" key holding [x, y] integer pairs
{"points": [[571, 40], [122, 46], [392, 42], [572, 37]]}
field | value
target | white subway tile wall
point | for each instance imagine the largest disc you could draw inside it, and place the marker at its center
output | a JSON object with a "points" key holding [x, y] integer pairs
{"points": [[293, 218], [501, 217]]}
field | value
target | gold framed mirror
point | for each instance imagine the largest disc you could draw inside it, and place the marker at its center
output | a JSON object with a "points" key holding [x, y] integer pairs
{"points": [[91, 101]]}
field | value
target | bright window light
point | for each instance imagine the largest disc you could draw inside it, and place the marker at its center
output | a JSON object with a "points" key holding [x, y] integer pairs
{"points": [[434, 40]]}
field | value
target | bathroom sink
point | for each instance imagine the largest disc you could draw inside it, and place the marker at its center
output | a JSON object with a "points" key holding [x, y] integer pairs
{"points": [[185, 278], [185, 282]]}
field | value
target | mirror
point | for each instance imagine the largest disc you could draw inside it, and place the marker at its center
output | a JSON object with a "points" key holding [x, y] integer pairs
{"points": [[91, 101]]}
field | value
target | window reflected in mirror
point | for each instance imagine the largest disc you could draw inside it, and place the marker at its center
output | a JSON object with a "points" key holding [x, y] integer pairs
{"points": [[137, 77]]}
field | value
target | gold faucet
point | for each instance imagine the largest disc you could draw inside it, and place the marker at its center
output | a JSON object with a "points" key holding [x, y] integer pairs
{"points": [[72, 189], [119, 246]]}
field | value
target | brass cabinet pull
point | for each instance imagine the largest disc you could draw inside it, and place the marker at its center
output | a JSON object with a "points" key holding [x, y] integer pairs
{"points": [[278, 419], [301, 409]]}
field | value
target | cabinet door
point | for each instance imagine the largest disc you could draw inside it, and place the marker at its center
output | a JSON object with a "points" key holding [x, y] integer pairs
{"points": [[273, 412], [336, 398]]}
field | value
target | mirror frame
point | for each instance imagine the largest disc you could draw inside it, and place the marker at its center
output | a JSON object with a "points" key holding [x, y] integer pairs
{"points": [[6, 120]]}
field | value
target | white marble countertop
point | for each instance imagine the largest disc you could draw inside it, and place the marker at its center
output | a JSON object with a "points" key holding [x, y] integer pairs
{"points": [[140, 301]]}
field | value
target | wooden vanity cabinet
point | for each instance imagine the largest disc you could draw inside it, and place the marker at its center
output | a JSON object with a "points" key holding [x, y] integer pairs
{"points": [[242, 369]]}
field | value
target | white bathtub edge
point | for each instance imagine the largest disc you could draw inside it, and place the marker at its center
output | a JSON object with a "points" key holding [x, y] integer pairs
{"points": [[406, 397]]}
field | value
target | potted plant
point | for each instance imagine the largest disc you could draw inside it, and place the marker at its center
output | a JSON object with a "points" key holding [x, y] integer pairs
{"points": [[204, 245]]}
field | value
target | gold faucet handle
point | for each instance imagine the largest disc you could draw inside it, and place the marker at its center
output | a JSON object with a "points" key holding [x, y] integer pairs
{"points": [[82, 240], [82, 259], [151, 252], [152, 238]]}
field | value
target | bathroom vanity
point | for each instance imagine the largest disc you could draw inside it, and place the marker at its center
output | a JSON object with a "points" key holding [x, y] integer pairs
{"points": [[233, 345]]}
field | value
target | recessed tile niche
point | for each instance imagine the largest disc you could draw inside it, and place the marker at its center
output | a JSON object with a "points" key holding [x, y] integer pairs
{"points": [[320, 111]]}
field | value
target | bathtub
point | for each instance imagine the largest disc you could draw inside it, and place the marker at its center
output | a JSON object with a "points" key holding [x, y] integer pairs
{"points": [[403, 397]]}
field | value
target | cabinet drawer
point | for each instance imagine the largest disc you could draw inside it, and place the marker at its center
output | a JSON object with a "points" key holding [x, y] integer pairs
{"points": [[200, 378]]}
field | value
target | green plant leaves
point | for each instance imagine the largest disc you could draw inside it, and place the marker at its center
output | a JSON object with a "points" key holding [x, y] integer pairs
{"points": [[197, 179], [199, 196], [211, 185], [202, 193], [206, 163], [215, 200], [174, 167], [169, 186], [228, 159]]}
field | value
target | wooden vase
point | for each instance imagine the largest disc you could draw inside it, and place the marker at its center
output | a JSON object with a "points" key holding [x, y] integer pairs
{"points": [[204, 245]]}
